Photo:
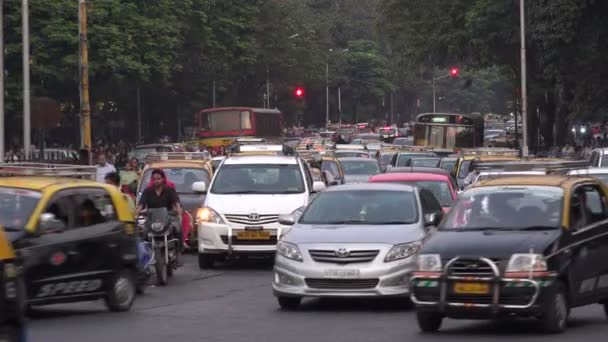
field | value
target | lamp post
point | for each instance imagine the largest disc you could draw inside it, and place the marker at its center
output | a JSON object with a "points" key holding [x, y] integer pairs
{"points": [[27, 139], [524, 90], [453, 73], [331, 53]]}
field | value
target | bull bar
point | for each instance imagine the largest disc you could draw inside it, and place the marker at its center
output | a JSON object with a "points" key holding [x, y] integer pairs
{"points": [[496, 280]]}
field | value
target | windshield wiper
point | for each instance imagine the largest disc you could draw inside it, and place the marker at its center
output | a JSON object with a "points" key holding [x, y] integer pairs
{"points": [[348, 222], [244, 192], [532, 228], [391, 222]]}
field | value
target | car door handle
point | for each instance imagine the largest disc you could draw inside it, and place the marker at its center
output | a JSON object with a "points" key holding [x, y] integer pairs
{"points": [[73, 253]]}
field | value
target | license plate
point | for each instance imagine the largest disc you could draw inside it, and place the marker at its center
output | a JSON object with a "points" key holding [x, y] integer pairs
{"points": [[385, 136], [253, 235], [471, 288], [341, 274]]}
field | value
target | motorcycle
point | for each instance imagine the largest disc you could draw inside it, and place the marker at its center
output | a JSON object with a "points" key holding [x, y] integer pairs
{"points": [[161, 237]]}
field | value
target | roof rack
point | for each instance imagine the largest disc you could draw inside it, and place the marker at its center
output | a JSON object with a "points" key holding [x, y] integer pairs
{"points": [[163, 156], [47, 170], [549, 166], [490, 151], [349, 147], [250, 140]]}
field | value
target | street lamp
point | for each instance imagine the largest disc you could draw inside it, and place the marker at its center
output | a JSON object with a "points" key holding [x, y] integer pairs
{"points": [[453, 73], [331, 53], [524, 89]]}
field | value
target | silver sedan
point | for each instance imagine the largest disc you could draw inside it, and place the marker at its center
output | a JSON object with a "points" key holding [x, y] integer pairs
{"points": [[352, 241]]}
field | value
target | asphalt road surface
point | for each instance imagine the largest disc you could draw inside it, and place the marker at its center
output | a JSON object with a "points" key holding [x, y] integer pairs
{"points": [[235, 303]]}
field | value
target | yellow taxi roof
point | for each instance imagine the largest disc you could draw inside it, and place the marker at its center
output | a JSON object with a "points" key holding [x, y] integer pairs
{"points": [[564, 182], [40, 183]]}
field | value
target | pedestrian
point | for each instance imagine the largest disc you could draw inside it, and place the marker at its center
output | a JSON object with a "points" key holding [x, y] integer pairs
{"points": [[113, 178], [103, 167]]}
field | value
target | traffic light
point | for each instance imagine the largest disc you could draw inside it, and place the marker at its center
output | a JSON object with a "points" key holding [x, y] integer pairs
{"points": [[299, 92], [454, 72]]}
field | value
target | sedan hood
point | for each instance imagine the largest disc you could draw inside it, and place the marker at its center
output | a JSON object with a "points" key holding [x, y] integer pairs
{"points": [[351, 179], [388, 234], [259, 204], [489, 244]]}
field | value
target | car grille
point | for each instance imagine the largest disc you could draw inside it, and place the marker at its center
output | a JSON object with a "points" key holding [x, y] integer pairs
{"points": [[331, 256], [472, 268], [246, 220], [341, 284], [237, 242]]}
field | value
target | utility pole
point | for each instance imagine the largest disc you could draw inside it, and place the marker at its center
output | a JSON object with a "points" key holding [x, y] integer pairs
{"points": [[326, 93], [214, 93], [267, 87], [339, 106], [524, 90], [2, 81], [85, 105], [139, 124], [27, 139]]}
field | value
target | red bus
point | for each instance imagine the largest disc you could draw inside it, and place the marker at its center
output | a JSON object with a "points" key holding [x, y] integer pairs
{"points": [[220, 127]]}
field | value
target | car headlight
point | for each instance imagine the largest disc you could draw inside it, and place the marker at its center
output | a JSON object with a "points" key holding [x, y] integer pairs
{"points": [[527, 262], [289, 251], [429, 263], [298, 213], [402, 251], [209, 215]]}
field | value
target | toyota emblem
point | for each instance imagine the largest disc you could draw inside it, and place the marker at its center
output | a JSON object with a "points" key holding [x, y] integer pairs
{"points": [[472, 267], [342, 253], [254, 216]]}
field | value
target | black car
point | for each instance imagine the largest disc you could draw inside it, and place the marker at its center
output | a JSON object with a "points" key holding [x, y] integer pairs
{"points": [[533, 247], [12, 296]]}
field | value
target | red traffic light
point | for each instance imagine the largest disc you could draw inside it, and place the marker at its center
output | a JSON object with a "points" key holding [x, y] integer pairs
{"points": [[454, 72], [299, 92]]}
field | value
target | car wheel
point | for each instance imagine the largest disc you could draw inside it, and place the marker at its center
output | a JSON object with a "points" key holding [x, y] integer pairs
{"points": [[289, 303], [429, 322], [122, 291], [555, 315], [206, 261]]}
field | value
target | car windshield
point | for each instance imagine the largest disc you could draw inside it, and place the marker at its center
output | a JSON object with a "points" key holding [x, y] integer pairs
{"points": [[441, 190], [448, 165], [388, 131], [386, 158], [425, 162], [464, 169], [16, 207], [141, 153], [183, 178], [373, 207], [360, 167], [332, 167], [604, 162], [506, 207], [403, 141], [258, 179], [349, 154], [404, 159]]}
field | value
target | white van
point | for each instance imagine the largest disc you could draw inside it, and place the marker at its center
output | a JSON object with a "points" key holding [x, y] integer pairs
{"points": [[244, 200]]}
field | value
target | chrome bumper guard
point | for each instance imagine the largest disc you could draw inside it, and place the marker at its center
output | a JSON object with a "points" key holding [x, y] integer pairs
{"points": [[496, 281]]}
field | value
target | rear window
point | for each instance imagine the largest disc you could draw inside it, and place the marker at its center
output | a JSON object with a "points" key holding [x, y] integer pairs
{"points": [[388, 131]]}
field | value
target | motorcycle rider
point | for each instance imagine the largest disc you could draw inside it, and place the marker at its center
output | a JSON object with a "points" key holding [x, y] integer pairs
{"points": [[161, 195]]}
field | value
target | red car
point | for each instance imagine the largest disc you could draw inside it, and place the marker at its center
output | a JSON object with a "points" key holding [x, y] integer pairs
{"points": [[439, 184]]}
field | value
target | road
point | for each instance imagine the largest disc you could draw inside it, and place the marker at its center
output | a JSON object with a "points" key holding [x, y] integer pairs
{"points": [[235, 303]]}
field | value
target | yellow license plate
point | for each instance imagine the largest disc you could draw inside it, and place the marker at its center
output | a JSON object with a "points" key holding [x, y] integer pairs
{"points": [[471, 288], [247, 235]]}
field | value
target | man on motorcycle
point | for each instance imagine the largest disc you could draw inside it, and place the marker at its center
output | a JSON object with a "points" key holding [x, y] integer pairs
{"points": [[161, 195]]}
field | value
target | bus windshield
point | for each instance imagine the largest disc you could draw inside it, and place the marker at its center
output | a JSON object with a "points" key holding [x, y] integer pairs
{"points": [[227, 121]]}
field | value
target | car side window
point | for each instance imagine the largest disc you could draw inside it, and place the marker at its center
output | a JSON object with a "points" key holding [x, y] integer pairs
{"points": [[94, 207], [595, 156], [430, 204], [61, 206], [394, 159], [594, 204]]}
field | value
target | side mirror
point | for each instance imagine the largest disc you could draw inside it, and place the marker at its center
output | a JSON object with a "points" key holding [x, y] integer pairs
{"points": [[50, 224], [199, 187], [318, 186], [287, 220]]}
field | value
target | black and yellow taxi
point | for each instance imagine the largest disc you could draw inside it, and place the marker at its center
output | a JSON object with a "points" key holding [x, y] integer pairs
{"points": [[184, 169], [74, 238], [12, 298], [512, 247]]}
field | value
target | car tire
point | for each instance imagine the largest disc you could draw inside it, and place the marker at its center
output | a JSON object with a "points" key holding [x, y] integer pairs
{"points": [[206, 261], [121, 291], [289, 303], [554, 319], [428, 321], [606, 309]]}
